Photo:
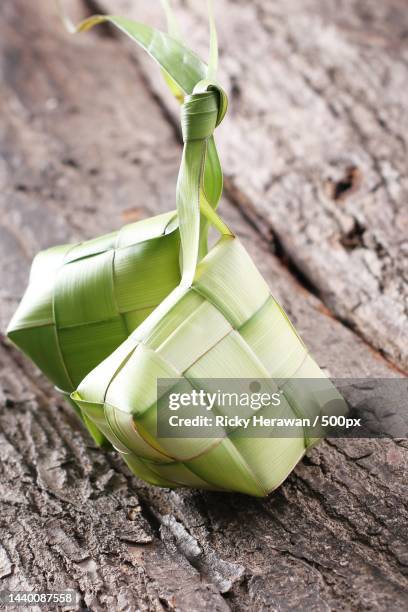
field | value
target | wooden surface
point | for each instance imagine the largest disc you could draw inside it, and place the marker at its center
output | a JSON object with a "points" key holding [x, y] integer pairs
{"points": [[81, 122]]}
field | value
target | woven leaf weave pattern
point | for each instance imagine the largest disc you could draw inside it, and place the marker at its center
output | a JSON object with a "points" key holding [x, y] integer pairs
{"points": [[84, 300], [236, 330]]}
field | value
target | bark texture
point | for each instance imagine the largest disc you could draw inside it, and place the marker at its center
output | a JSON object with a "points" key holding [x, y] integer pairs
{"points": [[85, 145]]}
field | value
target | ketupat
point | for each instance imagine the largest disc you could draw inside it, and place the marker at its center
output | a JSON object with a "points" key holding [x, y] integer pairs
{"points": [[83, 300], [220, 322], [226, 325]]}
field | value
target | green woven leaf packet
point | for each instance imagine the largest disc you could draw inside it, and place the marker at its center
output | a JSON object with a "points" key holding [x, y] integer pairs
{"points": [[221, 321], [83, 300]]}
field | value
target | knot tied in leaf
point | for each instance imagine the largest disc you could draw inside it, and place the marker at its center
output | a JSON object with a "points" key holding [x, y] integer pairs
{"points": [[203, 111]]}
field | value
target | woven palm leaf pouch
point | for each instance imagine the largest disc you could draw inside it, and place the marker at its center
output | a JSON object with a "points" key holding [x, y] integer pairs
{"points": [[83, 300], [220, 322]]}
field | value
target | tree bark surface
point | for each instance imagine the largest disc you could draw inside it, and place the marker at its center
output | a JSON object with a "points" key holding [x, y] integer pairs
{"points": [[87, 142]]}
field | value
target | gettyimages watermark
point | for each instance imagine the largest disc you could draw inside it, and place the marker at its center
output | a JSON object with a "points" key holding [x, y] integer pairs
{"points": [[285, 408]]}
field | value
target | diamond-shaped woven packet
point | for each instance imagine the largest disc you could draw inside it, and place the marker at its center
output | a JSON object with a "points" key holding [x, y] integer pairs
{"points": [[221, 322], [84, 300]]}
